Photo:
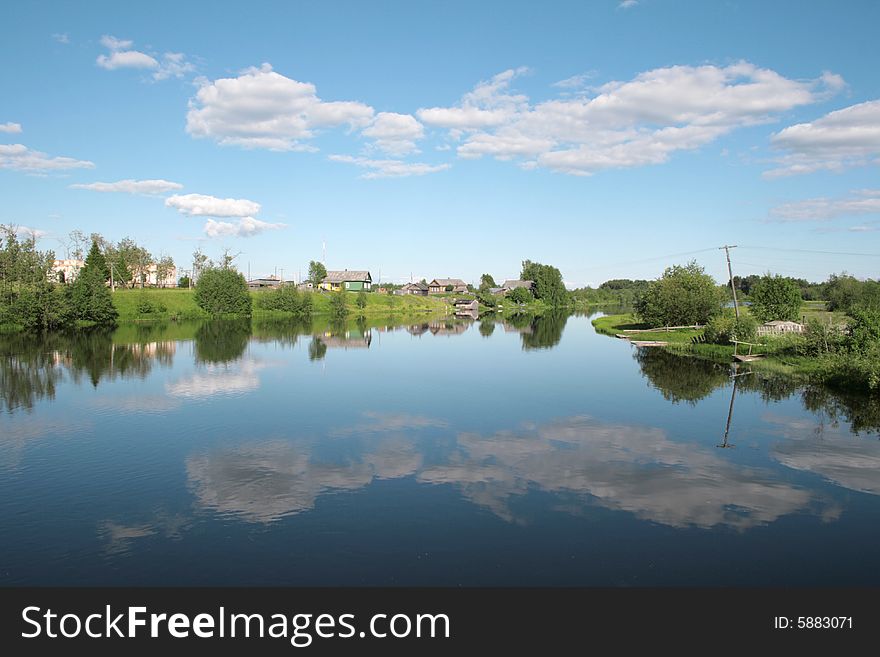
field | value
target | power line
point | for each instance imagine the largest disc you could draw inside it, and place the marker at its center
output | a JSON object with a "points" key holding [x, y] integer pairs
{"points": [[663, 257], [840, 253]]}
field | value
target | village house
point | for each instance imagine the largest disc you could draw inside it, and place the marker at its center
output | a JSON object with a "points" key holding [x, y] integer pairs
{"points": [[779, 327], [418, 289], [353, 281], [268, 283], [67, 270], [510, 284], [440, 285], [152, 278]]}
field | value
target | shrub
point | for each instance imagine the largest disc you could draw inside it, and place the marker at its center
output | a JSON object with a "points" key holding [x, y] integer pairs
{"points": [[223, 292], [90, 298], [520, 295], [724, 328], [286, 299], [776, 297], [338, 306], [682, 296], [361, 300], [146, 306]]}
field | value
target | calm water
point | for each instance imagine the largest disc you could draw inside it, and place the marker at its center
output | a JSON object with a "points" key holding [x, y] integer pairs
{"points": [[476, 453]]}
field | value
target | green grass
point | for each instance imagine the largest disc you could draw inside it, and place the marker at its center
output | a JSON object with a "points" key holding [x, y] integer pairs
{"points": [[181, 304], [614, 324]]}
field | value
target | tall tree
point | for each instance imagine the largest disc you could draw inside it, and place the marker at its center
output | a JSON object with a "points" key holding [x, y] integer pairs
{"points": [[548, 282], [317, 272], [97, 263], [486, 281]]}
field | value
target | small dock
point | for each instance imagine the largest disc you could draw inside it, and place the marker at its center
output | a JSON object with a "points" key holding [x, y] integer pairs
{"points": [[649, 343], [747, 358]]}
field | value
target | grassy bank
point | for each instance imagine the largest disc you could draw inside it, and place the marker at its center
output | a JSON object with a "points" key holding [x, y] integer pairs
{"points": [[180, 304], [681, 341]]}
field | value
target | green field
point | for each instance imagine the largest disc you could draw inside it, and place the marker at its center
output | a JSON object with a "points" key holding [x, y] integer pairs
{"points": [[180, 304]]}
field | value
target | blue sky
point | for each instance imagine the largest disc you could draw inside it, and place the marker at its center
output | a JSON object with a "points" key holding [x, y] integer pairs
{"points": [[450, 139]]}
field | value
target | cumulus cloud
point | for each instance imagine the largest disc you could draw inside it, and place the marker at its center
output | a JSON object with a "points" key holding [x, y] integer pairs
{"points": [[389, 168], [12, 128], [131, 186], [122, 55], [264, 109], [486, 106], [27, 231], [395, 134], [21, 158], [624, 123], [844, 138], [202, 205], [862, 201], [244, 227]]}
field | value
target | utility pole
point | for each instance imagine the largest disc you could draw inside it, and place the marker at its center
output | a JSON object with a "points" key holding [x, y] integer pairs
{"points": [[112, 284], [727, 248], [282, 275]]}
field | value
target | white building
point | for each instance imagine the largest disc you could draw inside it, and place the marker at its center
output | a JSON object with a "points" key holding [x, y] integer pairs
{"points": [[67, 270]]}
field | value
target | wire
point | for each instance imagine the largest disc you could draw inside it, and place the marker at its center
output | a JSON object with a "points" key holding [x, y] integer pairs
{"points": [[636, 262], [839, 253]]}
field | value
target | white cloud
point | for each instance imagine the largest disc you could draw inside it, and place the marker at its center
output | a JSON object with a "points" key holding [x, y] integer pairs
{"points": [[244, 227], [126, 59], [575, 81], [131, 186], [627, 4], [486, 106], [624, 124], [20, 158], [844, 138], [172, 64], [395, 134], [12, 128], [389, 168], [264, 109], [62, 37], [202, 205], [27, 231], [863, 201]]}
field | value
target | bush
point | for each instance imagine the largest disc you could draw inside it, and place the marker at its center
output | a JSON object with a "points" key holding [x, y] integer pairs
{"points": [[361, 301], [682, 296], [520, 295], [338, 306], [821, 338], [40, 307], [286, 299], [776, 297], [724, 328], [223, 292], [90, 298], [147, 307]]}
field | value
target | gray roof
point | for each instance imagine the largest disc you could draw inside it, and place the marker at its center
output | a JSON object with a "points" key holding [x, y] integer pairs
{"points": [[448, 281], [418, 286], [347, 275], [512, 284]]}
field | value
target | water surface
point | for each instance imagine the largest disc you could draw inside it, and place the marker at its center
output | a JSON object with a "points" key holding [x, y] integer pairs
{"points": [[531, 452]]}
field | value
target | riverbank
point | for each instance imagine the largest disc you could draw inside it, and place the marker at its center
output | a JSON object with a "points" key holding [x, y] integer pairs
{"points": [[776, 352], [180, 304]]}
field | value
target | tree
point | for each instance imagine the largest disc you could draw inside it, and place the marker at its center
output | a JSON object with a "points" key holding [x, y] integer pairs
{"points": [[338, 307], [317, 272], [184, 281], [228, 258], [361, 300], [164, 267], [77, 241], [548, 283], [96, 261], [200, 262], [449, 288], [684, 295], [776, 297], [486, 282], [223, 292], [520, 295], [90, 298]]}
